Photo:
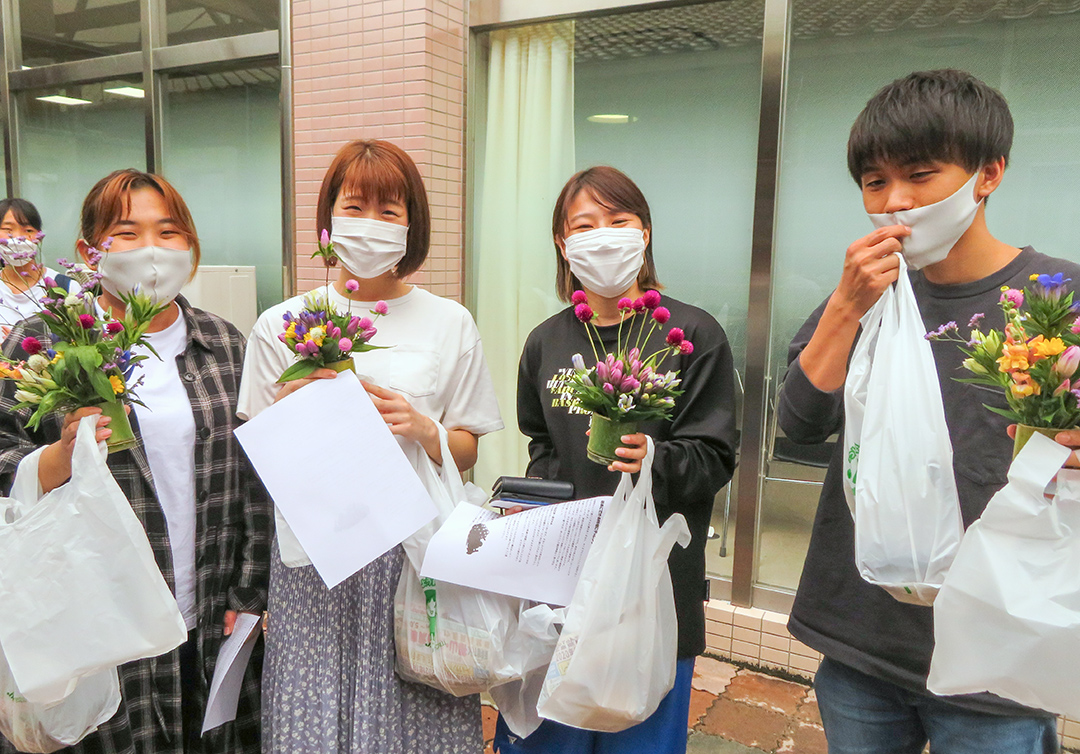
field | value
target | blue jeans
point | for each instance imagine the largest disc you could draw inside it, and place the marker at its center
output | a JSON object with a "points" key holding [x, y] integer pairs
{"points": [[663, 733], [866, 715]]}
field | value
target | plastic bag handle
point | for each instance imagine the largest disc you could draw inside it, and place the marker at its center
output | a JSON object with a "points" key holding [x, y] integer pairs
{"points": [[645, 480]]}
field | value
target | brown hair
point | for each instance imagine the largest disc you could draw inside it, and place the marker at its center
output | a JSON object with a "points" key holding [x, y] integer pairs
{"points": [[110, 200], [383, 172], [614, 190]]}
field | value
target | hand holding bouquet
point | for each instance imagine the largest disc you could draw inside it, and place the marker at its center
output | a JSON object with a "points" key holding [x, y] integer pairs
{"points": [[322, 337], [83, 359], [1033, 361], [626, 387]]}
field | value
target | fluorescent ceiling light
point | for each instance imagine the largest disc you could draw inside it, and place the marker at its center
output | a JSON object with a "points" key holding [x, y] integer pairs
{"points": [[611, 118], [128, 91], [59, 99]]}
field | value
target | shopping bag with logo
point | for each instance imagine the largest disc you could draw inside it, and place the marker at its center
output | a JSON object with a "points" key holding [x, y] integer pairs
{"points": [[80, 591], [1007, 619], [615, 659], [454, 638], [898, 471], [43, 728]]}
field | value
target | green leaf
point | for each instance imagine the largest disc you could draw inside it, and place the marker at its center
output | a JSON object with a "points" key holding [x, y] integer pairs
{"points": [[101, 385], [298, 371]]}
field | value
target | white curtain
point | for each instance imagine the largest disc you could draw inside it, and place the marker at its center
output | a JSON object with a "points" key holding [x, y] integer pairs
{"points": [[528, 155]]}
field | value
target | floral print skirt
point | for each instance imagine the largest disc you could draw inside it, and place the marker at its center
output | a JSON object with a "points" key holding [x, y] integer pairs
{"points": [[329, 685]]}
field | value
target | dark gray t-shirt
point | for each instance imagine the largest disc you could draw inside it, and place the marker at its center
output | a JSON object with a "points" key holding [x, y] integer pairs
{"points": [[835, 611]]}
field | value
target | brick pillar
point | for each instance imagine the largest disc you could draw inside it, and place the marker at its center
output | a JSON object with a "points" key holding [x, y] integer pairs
{"points": [[383, 69]]}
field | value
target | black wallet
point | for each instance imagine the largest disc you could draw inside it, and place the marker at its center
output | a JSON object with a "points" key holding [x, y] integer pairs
{"points": [[541, 490]]}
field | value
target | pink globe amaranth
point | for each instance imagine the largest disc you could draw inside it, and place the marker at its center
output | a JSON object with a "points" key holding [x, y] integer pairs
{"points": [[686, 348], [675, 336], [584, 313], [351, 285], [31, 345], [86, 321], [661, 314], [625, 304], [381, 308], [345, 344], [651, 299], [639, 305], [114, 327], [579, 297]]}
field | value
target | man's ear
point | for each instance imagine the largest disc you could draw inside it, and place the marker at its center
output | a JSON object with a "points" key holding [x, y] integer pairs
{"points": [[990, 178]]}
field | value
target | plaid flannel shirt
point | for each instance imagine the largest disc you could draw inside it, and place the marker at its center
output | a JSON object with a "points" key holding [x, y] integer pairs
{"points": [[233, 534]]}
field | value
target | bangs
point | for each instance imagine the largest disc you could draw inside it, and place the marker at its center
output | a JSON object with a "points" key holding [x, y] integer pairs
{"points": [[904, 136], [374, 177]]}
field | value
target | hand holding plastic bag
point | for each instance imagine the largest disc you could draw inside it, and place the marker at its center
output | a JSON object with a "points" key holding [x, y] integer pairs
{"points": [[615, 660], [80, 591], [1007, 619], [898, 461]]}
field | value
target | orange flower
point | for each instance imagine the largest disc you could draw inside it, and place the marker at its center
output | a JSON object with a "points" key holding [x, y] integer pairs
{"points": [[1014, 357], [1022, 385], [1041, 348]]}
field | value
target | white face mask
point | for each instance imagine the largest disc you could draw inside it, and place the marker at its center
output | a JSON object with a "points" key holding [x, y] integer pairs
{"points": [[935, 228], [368, 248], [157, 272], [606, 260], [18, 252]]}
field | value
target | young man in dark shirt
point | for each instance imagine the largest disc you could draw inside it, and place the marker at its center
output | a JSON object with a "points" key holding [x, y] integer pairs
{"points": [[928, 138]]}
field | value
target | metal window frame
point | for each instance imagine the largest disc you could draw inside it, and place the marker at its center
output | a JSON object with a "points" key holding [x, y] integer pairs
{"points": [[486, 15], [153, 61]]}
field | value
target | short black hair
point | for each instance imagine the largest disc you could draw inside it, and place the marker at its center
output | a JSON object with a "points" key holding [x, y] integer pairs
{"points": [[24, 212], [946, 116]]}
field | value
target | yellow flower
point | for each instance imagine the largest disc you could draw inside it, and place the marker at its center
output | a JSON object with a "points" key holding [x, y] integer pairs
{"points": [[117, 384], [1042, 348], [1014, 357], [56, 358], [1022, 385], [1030, 277], [291, 332]]}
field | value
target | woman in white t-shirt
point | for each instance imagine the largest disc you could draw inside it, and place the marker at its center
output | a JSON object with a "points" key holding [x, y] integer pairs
{"points": [[207, 517], [23, 272], [329, 685]]}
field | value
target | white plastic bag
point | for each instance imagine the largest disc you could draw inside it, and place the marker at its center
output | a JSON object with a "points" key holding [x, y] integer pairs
{"points": [[898, 471], [1007, 619], [80, 591], [615, 660], [454, 638], [44, 728]]}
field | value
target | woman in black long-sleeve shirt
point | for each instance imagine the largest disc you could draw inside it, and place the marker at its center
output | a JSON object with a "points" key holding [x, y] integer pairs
{"points": [[695, 451]]}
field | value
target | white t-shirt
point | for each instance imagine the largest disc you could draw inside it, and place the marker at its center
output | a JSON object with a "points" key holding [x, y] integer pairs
{"points": [[167, 425], [436, 363], [15, 307]]}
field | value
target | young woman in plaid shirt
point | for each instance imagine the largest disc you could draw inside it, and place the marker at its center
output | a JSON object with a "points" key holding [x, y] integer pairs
{"points": [[207, 517]]}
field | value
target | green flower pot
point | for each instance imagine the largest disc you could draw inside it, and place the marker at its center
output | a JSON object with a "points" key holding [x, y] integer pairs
{"points": [[1024, 433], [605, 435], [122, 437], [341, 366]]}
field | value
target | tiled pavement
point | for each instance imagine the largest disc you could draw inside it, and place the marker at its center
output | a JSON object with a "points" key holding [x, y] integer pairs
{"points": [[734, 710]]}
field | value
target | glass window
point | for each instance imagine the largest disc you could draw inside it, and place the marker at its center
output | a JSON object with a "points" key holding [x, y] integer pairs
{"points": [[195, 21], [1030, 57], [69, 138], [222, 151], [58, 31], [670, 97]]}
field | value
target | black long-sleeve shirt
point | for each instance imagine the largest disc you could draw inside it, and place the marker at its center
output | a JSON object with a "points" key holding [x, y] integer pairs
{"points": [[838, 613], [695, 452]]}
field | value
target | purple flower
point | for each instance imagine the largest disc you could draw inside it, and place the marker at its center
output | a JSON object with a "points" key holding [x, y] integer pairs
{"points": [[369, 333], [651, 299], [350, 285], [345, 344], [31, 345], [602, 371], [49, 282], [608, 388], [381, 308], [287, 317], [629, 384], [353, 325], [579, 297], [282, 338], [661, 314], [675, 336], [584, 313], [975, 320], [86, 321], [333, 331]]}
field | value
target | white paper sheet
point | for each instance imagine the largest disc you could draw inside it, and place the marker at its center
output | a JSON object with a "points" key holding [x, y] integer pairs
{"points": [[229, 671], [337, 475], [536, 554]]}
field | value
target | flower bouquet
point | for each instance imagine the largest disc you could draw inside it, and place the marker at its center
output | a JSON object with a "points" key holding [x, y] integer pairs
{"points": [[625, 387], [85, 359], [1034, 360], [322, 337]]}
